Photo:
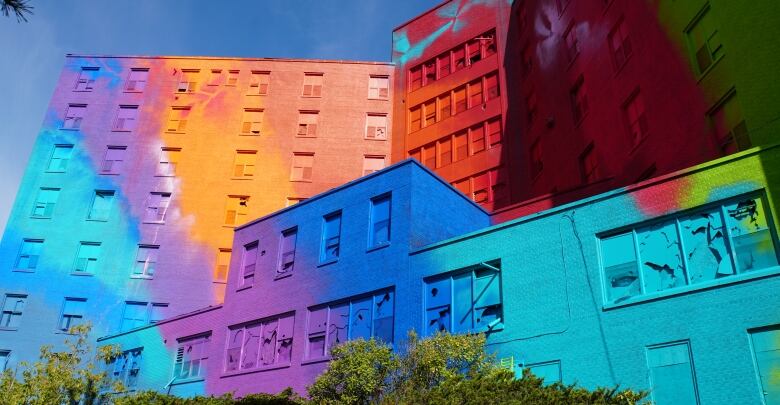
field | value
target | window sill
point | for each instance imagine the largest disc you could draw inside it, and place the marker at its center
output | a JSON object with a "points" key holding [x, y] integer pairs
{"points": [[710, 68], [154, 222], [36, 217], [82, 91], [81, 274], [96, 220], [54, 171], [121, 130], [245, 134], [63, 332], [23, 270], [301, 181], [132, 91], [315, 361], [219, 282], [8, 328], [109, 174], [242, 178], [269, 367], [690, 289], [377, 247], [164, 175], [255, 95], [69, 129], [141, 277], [375, 139], [175, 132], [311, 96], [246, 287], [190, 380], [379, 99], [327, 262], [306, 137], [283, 275], [232, 226]]}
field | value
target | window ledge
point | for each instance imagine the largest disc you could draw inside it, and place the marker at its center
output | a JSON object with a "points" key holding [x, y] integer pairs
{"points": [[242, 178], [375, 139], [121, 130], [254, 95], [377, 247], [54, 171], [175, 132], [8, 328], [379, 99], [315, 361], [219, 282], [694, 288], [82, 91], [154, 222], [327, 262], [63, 332], [141, 277], [69, 129], [246, 287], [96, 220], [710, 68], [306, 136], [24, 270], [302, 96], [255, 370], [131, 91], [190, 380], [283, 275], [108, 174], [37, 217], [82, 274], [245, 134], [301, 181], [164, 175], [229, 226]]}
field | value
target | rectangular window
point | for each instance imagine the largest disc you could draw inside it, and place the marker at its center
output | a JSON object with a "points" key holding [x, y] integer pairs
{"points": [[579, 100], [537, 161], [464, 301], [729, 124], [244, 163], [376, 126], [248, 264], [690, 250], [380, 221], [491, 86], [378, 87], [477, 134], [429, 112], [634, 112], [86, 80], [481, 188], [72, 313], [188, 81], [619, 44], [415, 78], [461, 146], [489, 46], [415, 118], [216, 78], [572, 43], [290, 201], [429, 155], [429, 70], [302, 164], [258, 344], [444, 65], [312, 85], [113, 160], [259, 82], [704, 40], [222, 265], [126, 118], [766, 353], [499, 193], [549, 371], [252, 122], [494, 132], [45, 202], [474, 50], [136, 80], [146, 261], [177, 119], [60, 158], [4, 356], [191, 358], [29, 254], [156, 207], [87, 258], [363, 317], [232, 78], [236, 209], [672, 379], [169, 159], [74, 115], [141, 313], [589, 165], [373, 164], [460, 100], [459, 57], [475, 93], [331, 237], [126, 368], [287, 242], [13, 305], [445, 151], [307, 123], [101, 205], [445, 106]]}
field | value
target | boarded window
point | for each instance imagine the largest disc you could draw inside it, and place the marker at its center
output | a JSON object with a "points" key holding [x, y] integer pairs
{"points": [[671, 374], [379, 87], [302, 165], [307, 123]]}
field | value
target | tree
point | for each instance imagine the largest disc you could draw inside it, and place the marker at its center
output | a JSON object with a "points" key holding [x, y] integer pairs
{"points": [[20, 9]]}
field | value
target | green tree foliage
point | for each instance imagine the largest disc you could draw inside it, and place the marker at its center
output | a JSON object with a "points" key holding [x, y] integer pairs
{"points": [[286, 397], [19, 8]]}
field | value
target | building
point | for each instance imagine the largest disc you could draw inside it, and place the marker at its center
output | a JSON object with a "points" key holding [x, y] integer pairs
{"points": [[145, 165]]}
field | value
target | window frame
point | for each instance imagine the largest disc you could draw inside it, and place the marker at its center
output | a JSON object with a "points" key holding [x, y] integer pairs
{"points": [[324, 257], [203, 339], [73, 319], [135, 82], [291, 232], [373, 244], [286, 317], [12, 312], [147, 264], [86, 268], [108, 209]]}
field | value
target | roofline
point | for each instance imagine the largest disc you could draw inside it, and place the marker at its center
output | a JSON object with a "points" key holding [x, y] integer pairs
{"points": [[418, 16], [339, 61], [600, 197], [407, 161], [166, 320]]}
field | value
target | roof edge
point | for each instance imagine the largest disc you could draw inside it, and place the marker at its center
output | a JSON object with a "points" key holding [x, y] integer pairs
{"points": [[302, 60]]}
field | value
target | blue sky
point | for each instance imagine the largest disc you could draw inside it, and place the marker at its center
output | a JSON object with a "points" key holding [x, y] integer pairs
{"points": [[32, 53]]}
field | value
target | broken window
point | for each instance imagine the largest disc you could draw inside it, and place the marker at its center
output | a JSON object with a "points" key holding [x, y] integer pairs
{"points": [[169, 159], [72, 313], [60, 158], [378, 87], [248, 264], [126, 367], [620, 267], [222, 265], [191, 358], [464, 301], [750, 235], [233, 355], [380, 221], [136, 80], [662, 264], [307, 123], [376, 126], [331, 237], [13, 305], [704, 238], [244, 163], [236, 209], [45, 202], [312, 85], [260, 343], [287, 251], [704, 40], [259, 83], [86, 80], [146, 260], [252, 122], [87, 257], [361, 317], [177, 119], [188, 81], [74, 115]]}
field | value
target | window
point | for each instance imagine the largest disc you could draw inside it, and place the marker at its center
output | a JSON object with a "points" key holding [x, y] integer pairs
{"points": [[634, 112], [491, 85], [4, 356], [445, 106], [302, 167], [216, 78], [373, 164], [307, 123], [136, 81], [589, 165], [232, 78], [248, 264], [464, 301], [113, 160], [126, 368], [145, 261], [689, 250], [139, 313], [222, 265], [259, 344], [704, 40], [72, 313], [177, 119], [549, 371], [376, 126], [729, 125], [259, 82], [766, 353], [494, 132], [477, 134], [579, 100], [331, 237], [29, 253], [87, 258], [444, 146], [429, 70], [287, 252], [359, 317], [459, 57], [672, 379], [474, 51], [101, 205], [244, 163], [380, 221], [13, 305], [415, 78], [86, 80], [126, 118], [429, 155], [498, 190], [461, 146], [619, 44], [378, 87], [74, 115], [460, 100], [572, 43], [191, 358], [475, 93], [169, 159], [60, 158], [444, 65], [236, 209], [157, 206], [45, 202], [290, 201], [252, 122], [429, 112], [415, 118], [312, 84], [537, 162], [188, 81], [481, 188]]}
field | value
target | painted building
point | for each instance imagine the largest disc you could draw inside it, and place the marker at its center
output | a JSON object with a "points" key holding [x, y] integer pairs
{"points": [[145, 165]]}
